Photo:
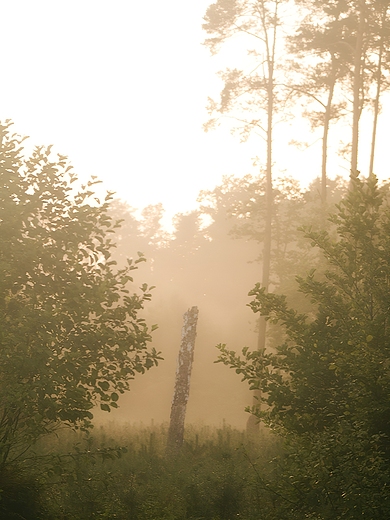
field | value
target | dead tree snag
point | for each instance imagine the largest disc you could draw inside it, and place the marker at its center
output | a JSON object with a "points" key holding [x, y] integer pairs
{"points": [[182, 383]]}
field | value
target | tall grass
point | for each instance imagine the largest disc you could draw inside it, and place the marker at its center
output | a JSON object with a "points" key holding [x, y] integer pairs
{"points": [[123, 472]]}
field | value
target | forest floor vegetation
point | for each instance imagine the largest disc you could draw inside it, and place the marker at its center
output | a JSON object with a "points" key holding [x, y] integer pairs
{"points": [[122, 472]]}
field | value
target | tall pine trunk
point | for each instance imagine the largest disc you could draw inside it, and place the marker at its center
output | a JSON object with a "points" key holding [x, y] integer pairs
{"points": [[357, 84], [378, 90], [325, 135], [252, 423]]}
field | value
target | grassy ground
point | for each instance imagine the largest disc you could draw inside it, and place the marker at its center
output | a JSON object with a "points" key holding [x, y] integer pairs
{"points": [[123, 472]]}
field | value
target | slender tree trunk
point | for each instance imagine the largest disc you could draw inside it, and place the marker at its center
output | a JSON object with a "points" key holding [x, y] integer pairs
{"points": [[378, 92], [182, 384], [357, 85], [328, 113], [268, 192], [253, 423]]}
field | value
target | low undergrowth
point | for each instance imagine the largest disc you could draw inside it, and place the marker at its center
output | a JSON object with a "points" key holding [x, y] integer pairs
{"points": [[123, 472]]}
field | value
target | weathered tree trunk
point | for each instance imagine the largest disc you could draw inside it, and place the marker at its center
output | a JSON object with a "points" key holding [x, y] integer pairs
{"points": [[182, 384]]}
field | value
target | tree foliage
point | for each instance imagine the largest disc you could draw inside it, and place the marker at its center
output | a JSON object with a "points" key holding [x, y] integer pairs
{"points": [[327, 383], [71, 334]]}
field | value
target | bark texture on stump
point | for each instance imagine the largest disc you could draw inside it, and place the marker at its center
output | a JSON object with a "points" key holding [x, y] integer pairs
{"points": [[182, 383]]}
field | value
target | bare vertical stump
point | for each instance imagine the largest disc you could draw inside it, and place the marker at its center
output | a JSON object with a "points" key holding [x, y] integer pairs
{"points": [[182, 383]]}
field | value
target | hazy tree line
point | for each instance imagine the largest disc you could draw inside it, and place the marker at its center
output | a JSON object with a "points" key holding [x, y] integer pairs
{"points": [[210, 259], [331, 55]]}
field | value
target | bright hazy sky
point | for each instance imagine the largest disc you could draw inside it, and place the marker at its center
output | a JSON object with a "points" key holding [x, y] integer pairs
{"points": [[120, 87]]}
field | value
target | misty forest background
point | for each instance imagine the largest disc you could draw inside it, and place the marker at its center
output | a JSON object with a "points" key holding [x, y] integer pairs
{"points": [[210, 260], [84, 280]]}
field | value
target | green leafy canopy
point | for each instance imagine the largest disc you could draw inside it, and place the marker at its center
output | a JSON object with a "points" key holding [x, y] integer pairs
{"points": [[325, 387], [334, 362], [70, 331]]}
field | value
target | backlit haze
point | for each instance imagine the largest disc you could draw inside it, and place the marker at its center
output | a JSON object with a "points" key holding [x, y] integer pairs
{"points": [[121, 87]]}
